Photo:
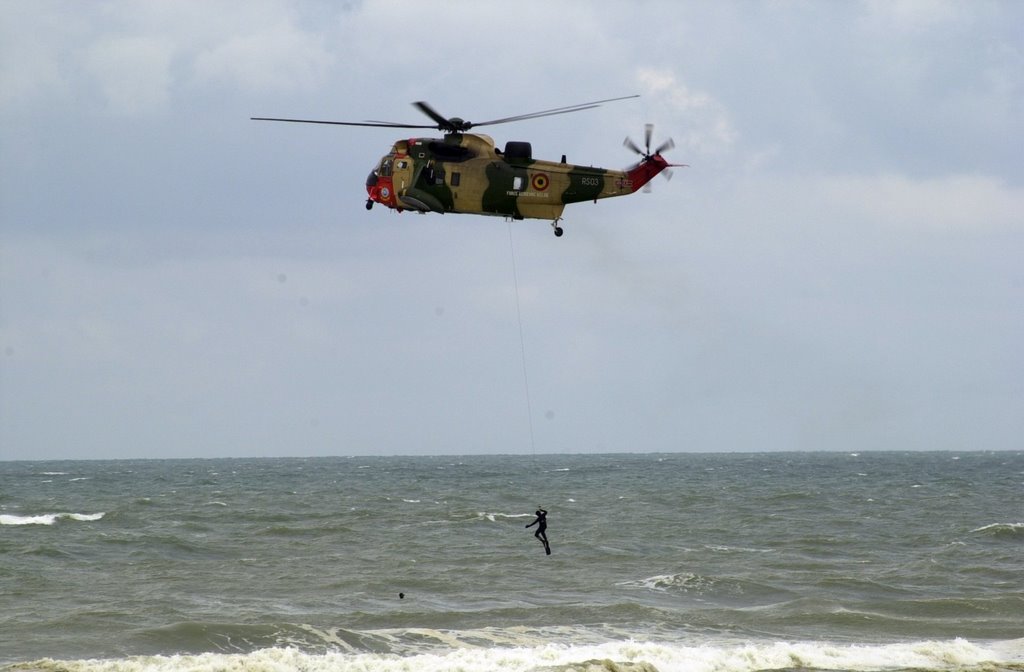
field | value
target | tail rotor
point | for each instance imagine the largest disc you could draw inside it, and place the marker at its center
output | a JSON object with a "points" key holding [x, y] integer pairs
{"points": [[646, 154]]}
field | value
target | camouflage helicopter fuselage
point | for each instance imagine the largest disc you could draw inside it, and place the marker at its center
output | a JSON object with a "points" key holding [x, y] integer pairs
{"points": [[466, 173]]}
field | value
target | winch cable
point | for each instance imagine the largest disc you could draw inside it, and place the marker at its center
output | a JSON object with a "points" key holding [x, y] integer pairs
{"points": [[522, 342]]}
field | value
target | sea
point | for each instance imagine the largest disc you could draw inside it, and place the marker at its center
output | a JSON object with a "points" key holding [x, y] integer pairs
{"points": [[871, 561]]}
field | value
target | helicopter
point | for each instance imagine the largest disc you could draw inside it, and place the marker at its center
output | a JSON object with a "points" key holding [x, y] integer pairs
{"points": [[466, 172]]}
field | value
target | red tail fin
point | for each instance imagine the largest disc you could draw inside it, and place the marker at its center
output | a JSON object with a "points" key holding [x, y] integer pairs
{"points": [[643, 172]]}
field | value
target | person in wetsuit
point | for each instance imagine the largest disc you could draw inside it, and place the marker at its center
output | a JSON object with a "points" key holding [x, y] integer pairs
{"points": [[542, 525]]}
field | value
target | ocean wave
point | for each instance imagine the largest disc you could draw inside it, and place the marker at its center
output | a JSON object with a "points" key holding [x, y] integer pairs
{"points": [[686, 583], [493, 517], [736, 549], [631, 656], [49, 518], [670, 582], [714, 588], [1002, 529]]}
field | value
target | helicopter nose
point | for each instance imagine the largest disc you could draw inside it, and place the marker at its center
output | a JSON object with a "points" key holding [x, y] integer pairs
{"points": [[373, 188], [380, 190]]}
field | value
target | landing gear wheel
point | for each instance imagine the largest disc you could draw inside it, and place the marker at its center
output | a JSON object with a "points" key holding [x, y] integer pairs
{"points": [[369, 203], [558, 232]]}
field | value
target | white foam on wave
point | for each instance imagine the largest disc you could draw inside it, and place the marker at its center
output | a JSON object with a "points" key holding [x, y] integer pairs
{"points": [[945, 656], [1001, 527], [48, 518], [736, 549], [665, 582], [484, 515], [689, 583]]}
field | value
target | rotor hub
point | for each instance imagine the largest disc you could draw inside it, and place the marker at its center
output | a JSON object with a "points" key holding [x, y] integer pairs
{"points": [[458, 125]]}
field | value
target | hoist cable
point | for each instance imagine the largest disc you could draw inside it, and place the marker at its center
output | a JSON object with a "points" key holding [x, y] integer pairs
{"points": [[522, 341]]}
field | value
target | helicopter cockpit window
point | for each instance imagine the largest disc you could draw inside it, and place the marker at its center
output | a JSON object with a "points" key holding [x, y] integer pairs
{"points": [[402, 165], [385, 168]]}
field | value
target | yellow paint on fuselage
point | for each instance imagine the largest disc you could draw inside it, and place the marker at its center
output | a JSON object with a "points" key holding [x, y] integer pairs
{"points": [[489, 182]]}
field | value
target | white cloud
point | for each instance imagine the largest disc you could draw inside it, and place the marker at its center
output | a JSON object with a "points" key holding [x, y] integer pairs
{"points": [[21, 84], [134, 73], [966, 203], [709, 129], [272, 61], [31, 41], [915, 15]]}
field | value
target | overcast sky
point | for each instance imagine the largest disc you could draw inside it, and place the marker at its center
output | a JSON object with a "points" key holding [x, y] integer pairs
{"points": [[841, 267]]}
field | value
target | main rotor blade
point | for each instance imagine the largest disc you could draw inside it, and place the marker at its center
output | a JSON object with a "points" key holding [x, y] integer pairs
{"points": [[442, 122], [379, 124], [648, 132], [556, 110], [629, 144], [535, 115], [665, 146]]}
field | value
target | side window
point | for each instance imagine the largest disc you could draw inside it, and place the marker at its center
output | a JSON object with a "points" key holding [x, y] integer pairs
{"points": [[456, 178], [517, 183]]}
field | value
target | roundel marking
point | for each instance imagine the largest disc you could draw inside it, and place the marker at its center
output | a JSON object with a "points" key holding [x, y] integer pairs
{"points": [[540, 181], [385, 192]]}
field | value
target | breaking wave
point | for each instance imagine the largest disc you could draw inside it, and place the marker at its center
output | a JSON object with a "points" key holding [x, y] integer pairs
{"points": [[632, 656], [49, 518], [1014, 530]]}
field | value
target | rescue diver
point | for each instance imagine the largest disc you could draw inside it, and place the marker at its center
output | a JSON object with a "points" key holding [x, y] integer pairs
{"points": [[542, 525]]}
